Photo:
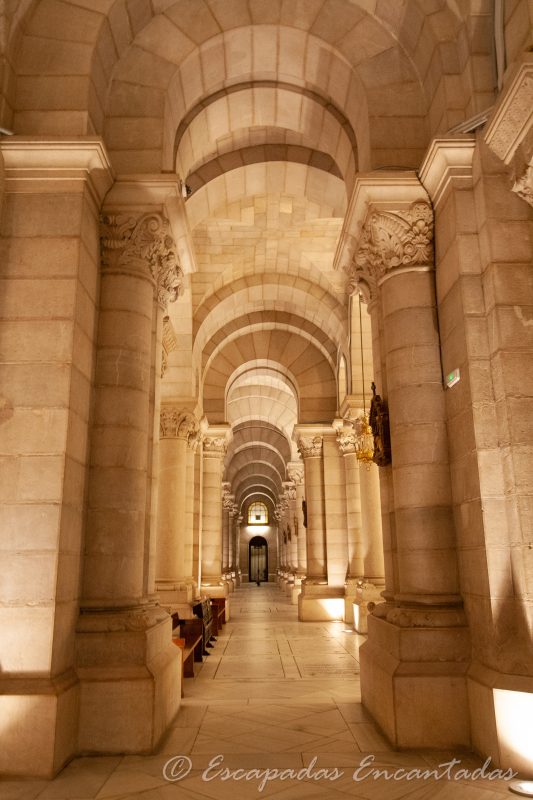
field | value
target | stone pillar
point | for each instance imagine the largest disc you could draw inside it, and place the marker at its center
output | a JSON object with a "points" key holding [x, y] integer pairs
{"points": [[295, 472], [227, 505], [214, 448], [238, 571], [52, 193], [177, 427], [427, 618], [335, 512], [191, 490], [483, 239], [317, 600], [120, 630], [347, 445]]}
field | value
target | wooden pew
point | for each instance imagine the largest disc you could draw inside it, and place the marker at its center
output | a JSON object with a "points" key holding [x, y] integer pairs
{"points": [[218, 606]]}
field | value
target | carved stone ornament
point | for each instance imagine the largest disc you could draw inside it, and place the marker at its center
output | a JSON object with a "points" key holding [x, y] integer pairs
{"points": [[177, 424], [170, 343], [524, 186], [290, 492], [227, 502], [391, 240], [215, 445], [347, 441], [295, 473], [140, 243], [310, 447], [379, 422]]}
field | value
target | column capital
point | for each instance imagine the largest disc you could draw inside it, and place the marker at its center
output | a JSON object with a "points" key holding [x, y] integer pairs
{"points": [[309, 446], [177, 423], [382, 217], [392, 241], [215, 441], [289, 489], [310, 438], [142, 244], [347, 440], [295, 472]]}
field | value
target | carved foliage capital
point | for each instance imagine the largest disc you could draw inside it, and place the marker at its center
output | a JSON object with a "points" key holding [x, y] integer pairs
{"points": [[310, 446], [215, 445], [143, 244], [347, 441], [295, 473], [177, 424], [391, 240]]}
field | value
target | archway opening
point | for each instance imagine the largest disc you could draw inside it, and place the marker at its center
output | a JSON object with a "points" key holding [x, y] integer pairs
{"points": [[258, 560]]}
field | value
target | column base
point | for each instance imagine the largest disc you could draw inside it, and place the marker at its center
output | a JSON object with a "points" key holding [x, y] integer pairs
{"points": [[501, 710], [367, 596], [413, 676], [130, 680], [296, 589], [228, 577], [171, 593], [350, 593], [319, 602], [39, 724], [289, 584]]}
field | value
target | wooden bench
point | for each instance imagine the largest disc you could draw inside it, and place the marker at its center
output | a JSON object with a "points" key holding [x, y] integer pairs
{"points": [[188, 634], [218, 610], [204, 611]]}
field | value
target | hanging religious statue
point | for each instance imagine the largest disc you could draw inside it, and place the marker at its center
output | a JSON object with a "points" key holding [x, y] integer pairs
{"points": [[379, 422]]}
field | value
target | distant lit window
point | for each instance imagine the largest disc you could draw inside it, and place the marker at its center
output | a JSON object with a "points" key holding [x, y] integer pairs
{"points": [[257, 514]]}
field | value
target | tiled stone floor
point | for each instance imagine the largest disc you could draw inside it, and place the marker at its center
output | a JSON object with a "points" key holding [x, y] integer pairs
{"points": [[274, 694]]}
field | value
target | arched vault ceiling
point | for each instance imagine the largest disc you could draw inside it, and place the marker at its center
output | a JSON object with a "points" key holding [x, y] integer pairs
{"points": [[134, 70], [312, 374], [279, 115], [253, 431], [229, 196]]}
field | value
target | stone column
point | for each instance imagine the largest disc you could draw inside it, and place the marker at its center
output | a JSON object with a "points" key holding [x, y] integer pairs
{"points": [[295, 472], [214, 448], [190, 499], [227, 505], [395, 262], [230, 575], [238, 571], [119, 628], [347, 445], [317, 600], [177, 427], [48, 315], [335, 513]]}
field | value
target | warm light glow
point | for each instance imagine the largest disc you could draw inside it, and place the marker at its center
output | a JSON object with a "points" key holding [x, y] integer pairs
{"points": [[334, 606], [523, 788], [356, 616], [514, 715]]}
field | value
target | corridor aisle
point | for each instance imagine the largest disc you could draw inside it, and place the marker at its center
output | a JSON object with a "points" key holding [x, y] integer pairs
{"points": [[275, 693]]}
